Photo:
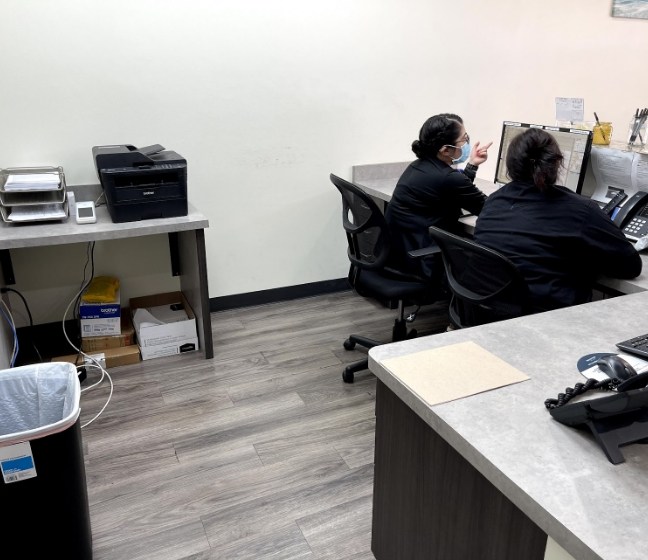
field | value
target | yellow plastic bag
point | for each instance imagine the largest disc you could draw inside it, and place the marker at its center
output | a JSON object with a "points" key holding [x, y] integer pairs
{"points": [[102, 289]]}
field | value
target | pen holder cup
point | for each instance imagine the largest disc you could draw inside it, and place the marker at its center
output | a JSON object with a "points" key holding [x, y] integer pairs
{"points": [[602, 133], [637, 132]]}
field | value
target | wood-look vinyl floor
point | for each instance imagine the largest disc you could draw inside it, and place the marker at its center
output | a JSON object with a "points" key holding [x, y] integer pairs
{"points": [[261, 452]]}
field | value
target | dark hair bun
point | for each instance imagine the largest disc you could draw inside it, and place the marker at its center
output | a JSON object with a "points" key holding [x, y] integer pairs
{"points": [[435, 133], [416, 148]]}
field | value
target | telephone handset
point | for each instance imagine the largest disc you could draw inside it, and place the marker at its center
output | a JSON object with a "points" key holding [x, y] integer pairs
{"points": [[632, 217]]}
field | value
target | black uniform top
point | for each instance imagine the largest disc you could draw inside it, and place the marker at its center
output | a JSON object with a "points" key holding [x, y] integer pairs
{"points": [[428, 193], [560, 241]]}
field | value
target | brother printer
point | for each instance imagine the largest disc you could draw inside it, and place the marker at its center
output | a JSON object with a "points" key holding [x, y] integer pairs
{"points": [[142, 183]]}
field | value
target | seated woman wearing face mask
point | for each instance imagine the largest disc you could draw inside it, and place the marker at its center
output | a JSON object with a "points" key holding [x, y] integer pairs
{"points": [[560, 241], [431, 192]]}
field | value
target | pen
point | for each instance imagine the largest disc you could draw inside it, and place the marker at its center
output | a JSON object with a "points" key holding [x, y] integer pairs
{"points": [[639, 121], [600, 128], [635, 127]]}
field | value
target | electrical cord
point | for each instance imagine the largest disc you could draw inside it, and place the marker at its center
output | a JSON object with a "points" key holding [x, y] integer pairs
{"points": [[31, 319], [105, 374], [84, 284], [12, 324], [89, 361], [97, 203]]}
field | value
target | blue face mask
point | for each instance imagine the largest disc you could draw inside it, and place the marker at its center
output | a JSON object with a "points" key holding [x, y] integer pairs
{"points": [[465, 152]]}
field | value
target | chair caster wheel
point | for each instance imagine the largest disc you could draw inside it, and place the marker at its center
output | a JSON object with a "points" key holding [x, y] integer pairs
{"points": [[412, 334], [347, 376], [349, 344]]}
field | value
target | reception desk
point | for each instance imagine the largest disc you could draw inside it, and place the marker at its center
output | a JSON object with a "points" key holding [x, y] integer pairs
{"points": [[491, 475], [379, 181]]}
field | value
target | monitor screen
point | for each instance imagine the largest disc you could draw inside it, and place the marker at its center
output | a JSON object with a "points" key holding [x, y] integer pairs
{"points": [[575, 146]]}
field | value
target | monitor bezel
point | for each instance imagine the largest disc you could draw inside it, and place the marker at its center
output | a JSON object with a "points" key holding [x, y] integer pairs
{"points": [[550, 129]]}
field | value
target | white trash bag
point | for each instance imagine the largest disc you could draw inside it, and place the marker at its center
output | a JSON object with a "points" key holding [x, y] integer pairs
{"points": [[37, 400]]}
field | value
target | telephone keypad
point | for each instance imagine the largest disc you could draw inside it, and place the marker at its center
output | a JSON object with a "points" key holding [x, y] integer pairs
{"points": [[633, 216], [635, 224], [637, 227]]}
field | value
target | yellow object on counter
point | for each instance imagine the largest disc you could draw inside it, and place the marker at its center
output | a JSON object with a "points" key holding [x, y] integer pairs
{"points": [[102, 289], [602, 133]]}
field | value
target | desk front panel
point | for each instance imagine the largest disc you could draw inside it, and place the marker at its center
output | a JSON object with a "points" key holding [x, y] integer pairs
{"points": [[557, 476], [429, 502]]}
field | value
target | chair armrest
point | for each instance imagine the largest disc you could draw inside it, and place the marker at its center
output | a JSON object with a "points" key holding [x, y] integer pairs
{"points": [[424, 252]]}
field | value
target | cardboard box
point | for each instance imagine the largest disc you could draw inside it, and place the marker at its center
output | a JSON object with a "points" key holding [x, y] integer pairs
{"points": [[111, 357], [100, 319], [126, 338], [167, 325]]}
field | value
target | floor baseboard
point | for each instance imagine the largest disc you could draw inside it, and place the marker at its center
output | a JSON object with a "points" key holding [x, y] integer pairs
{"points": [[276, 295]]}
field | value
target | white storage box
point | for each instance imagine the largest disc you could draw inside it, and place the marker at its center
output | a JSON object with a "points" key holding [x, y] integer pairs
{"points": [[165, 325]]}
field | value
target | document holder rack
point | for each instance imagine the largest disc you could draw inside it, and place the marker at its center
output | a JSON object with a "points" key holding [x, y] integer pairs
{"points": [[615, 420], [33, 194]]}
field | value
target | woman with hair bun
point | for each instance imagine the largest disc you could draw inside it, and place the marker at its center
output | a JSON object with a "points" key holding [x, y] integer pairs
{"points": [[431, 192], [560, 241]]}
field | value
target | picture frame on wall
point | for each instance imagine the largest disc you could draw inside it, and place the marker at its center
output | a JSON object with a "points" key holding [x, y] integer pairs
{"points": [[630, 9]]}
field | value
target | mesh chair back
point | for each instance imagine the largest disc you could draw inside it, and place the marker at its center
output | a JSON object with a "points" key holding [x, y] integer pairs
{"points": [[486, 286], [367, 232]]}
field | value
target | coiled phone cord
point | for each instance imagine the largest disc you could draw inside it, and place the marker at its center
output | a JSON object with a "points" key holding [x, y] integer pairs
{"points": [[579, 389]]}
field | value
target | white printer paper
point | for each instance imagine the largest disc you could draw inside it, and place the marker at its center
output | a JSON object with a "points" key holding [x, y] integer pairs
{"points": [[33, 182], [158, 315]]}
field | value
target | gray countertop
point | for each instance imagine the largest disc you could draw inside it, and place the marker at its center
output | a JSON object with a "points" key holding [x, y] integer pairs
{"points": [[40, 234], [557, 475]]}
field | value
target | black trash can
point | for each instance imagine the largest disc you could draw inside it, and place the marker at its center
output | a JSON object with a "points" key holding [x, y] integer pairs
{"points": [[43, 490]]}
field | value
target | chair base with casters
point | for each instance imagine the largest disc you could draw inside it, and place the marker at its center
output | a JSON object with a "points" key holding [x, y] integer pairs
{"points": [[399, 332], [394, 290]]}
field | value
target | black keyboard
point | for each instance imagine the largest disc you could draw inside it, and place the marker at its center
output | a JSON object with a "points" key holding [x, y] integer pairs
{"points": [[637, 346]]}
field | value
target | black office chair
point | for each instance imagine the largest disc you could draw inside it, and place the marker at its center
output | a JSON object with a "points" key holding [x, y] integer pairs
{"points": [[369, 245], [486, 286]]}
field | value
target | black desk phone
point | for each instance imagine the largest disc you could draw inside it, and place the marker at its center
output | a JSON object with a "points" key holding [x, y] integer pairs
{"points": [[615, 420], [632, 217]]}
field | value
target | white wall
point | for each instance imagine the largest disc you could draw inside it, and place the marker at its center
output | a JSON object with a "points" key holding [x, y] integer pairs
{"points": [[266, 98]]}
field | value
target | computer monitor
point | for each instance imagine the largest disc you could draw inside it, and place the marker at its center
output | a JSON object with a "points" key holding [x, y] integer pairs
{"points": [[575, 145]]}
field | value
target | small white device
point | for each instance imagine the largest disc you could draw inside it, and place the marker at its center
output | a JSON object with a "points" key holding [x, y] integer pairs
{"points": [[85, 212]]}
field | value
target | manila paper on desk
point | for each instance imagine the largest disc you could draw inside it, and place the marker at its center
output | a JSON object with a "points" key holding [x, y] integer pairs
{"points": [[452, 372]]}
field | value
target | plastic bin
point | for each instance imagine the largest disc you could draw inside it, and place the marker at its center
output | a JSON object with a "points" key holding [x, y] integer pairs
{"points": [[43, 489]]}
